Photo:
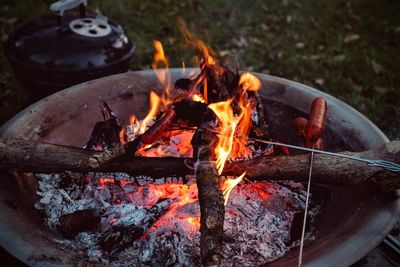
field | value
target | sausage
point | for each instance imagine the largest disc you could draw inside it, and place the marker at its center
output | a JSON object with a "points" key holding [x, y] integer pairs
{"points": [[156, 130], [316, 122], [300, 123]]}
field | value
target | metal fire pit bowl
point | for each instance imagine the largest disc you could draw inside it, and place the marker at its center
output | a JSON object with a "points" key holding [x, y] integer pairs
{"points": [[351, 223]]}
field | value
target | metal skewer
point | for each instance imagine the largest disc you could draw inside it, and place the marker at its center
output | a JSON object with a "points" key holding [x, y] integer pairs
{"points": [[391, 166], [303, 230]]}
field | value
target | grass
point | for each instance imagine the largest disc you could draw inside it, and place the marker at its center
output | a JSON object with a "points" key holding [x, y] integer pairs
{"points": [[350, 49]]}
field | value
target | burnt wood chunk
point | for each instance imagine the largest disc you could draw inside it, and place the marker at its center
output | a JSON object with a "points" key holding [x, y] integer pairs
{"points": [[184, 84], [79, 221], [222, 79], [296, 226], [105, 133], [125, 231], [119, 237], [190, 111]]}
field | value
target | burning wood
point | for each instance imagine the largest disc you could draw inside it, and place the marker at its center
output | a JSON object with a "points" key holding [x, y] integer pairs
{"points": [[48, 158]]}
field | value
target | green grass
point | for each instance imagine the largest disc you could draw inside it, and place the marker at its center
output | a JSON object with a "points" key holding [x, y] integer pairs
{"points": [[306, 41]]}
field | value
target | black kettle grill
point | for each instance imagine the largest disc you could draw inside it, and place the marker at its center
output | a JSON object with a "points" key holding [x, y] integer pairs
{"points": [[66, 47]]}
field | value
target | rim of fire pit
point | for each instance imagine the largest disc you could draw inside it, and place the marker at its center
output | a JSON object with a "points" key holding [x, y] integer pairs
{"points": [[342, 249]]}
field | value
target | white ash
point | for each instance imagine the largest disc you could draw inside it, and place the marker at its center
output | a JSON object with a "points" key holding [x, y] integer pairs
{"points": [[257, 221], [132, 131]]}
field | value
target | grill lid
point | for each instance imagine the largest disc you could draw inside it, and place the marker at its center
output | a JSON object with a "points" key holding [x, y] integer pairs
{"points": [[68, 40]]}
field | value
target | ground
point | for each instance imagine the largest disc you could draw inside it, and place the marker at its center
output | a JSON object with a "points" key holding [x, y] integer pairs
{"points": [[350, 49]]}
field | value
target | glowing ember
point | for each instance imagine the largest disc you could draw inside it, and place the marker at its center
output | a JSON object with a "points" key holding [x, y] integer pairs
{"points": [[258, 219], [198, 98]]}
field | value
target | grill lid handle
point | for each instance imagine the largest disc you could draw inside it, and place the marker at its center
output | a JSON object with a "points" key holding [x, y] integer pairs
{"points": [[63, 5]]}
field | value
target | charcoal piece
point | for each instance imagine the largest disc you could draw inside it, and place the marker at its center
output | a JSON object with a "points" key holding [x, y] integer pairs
{"points": [[190, 111], [66, 181], [119, 237], [184, 84], [222, 79], [297, 226], [105, 133], [79, 221]]}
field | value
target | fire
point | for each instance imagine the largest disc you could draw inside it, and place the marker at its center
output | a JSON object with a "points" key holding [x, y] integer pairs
{"points": [[249, 82], [229, 184], [183, 195], [198, 44], [233, 128], [157, 103], [228, 123], [198, 98], [137, 127], [160, 68]]}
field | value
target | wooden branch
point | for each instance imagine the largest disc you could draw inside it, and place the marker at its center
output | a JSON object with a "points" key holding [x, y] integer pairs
{"points": [[326, 169], [26, 156], [212, 208]]}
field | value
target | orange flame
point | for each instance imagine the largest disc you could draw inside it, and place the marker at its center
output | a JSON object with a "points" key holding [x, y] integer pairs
{"points": [[154, 104], [228, 123], [198, 44], [160, 66], [249, 82], [229, 184], [137, 127]]}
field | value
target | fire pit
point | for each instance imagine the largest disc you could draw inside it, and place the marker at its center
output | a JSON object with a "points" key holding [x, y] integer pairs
{"points": [[350, 223]]}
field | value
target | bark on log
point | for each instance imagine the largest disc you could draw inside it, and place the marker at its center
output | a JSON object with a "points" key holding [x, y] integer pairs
{"points": [[326, 169], [212, 208], [27, 156]]}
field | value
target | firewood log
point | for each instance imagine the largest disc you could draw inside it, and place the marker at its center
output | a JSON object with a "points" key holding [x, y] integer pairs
{"points": [[28, 156], [212, 208]]}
